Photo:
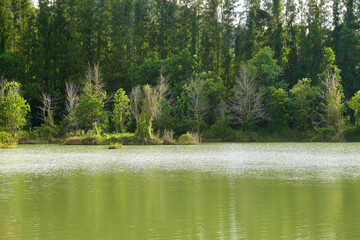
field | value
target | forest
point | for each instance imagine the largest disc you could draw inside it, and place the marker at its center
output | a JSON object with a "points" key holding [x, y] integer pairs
{"points": [[223, 70]]}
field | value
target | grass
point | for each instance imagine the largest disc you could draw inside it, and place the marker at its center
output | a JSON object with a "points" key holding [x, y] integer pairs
{"points": [[32, 141], [4, 146], [115, 146], [106, 139], [83, 140]]}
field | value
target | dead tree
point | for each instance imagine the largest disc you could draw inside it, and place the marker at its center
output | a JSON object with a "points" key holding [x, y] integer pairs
{"points": [[198, 101], [247, 104], [47, 110], [145, 106], [71, 102]]}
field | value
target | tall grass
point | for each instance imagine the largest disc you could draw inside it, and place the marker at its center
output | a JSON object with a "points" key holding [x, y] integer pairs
{"points": [[168, 137]]}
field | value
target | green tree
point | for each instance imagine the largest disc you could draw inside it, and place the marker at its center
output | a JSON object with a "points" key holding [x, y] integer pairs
{"points": [[277, 29], [148, 72], [187, 25], [350, 14], [121, 111], [164, 23], [179, 68], [265, 68], [348, 60], [5, 24], [277, 108], [313, 39], [253, 25], [354, 104], [336, 23], [141, 30], [122, 47], [12, 65], [90, 108], [215, 94], [13, 108], [228, 18], [328, 64], [210, 52], [290, 53], [304, 105], [21, 12]]}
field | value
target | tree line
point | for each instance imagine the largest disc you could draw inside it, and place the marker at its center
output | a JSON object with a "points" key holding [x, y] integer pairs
{"points": [[213, 66]]}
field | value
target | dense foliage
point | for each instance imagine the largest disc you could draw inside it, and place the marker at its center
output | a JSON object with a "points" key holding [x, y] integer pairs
{"points": [[13, 108], [280, 66]]}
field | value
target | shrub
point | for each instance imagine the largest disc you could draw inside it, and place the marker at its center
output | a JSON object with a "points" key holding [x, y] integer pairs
{"points": [[47, 132], [352, 133], [327, 134], [7, 140], [189, 139], [221, 131]]}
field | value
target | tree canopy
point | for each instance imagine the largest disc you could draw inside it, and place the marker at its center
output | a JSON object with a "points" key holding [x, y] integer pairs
{"points": [[292, 51]]}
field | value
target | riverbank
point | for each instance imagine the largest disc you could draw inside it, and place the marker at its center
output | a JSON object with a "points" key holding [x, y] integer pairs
{"points": [[113, 139], [322, 135]]}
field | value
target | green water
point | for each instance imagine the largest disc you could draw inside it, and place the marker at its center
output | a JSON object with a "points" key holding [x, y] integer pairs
{"points": [[211, 191]]}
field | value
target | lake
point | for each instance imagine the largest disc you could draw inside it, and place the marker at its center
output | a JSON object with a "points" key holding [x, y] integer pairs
{"points": [[209, 191]]}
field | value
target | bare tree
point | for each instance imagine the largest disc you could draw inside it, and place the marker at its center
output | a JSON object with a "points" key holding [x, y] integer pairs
{"points": [[144, 108], [163, 87], [47, 109], [198, 101], [135, 102], [71, 102], [329, 92], [93, 79], [247, 104], [71, 96], [161, 93], [99, 84], [145, 105]]}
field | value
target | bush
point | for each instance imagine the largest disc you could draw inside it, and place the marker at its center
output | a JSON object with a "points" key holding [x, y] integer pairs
{"points": [[47, 132], [189, 139], [221, 131], [327, 134], [6, 140], [352, 133]]}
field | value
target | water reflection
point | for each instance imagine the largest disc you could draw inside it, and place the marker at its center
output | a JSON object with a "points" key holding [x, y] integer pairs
{"points": [[104, 196]]}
